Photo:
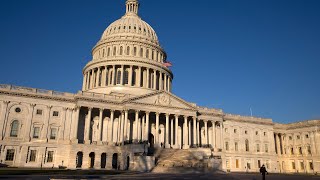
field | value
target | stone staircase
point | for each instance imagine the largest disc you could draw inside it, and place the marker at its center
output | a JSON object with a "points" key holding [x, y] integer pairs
{"points": [[183, 161]]}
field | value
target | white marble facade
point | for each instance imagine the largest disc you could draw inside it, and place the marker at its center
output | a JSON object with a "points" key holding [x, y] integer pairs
{"points": [[126, 106]]}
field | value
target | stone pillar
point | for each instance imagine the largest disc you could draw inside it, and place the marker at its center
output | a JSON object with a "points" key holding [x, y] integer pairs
{"points": [[154, 79], [198, 133], [169, 84], [122, 128], [84, 82], [46, 124], [160, 81], [176, 130], [100, 124], [97, 77], [167, 145], [221, 135], [189, 134], [214, 144], [112, 120], [91, 79], [147, 125], [27, 128], [114, 75], [130, 76], [87, 126], [206, 132], [126, 125], [165, 82], [122, 72], [278, 144], [148, 78], [171, 134], [314, 143], [185, 134], [157, 128], [138, 84], [143, 138], [104, 77], [64, 120], [194, 130], [137, 125], [76, 124]]}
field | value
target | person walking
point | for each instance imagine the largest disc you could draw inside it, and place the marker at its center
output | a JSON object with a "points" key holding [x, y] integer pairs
{"points": [[263, 172]]}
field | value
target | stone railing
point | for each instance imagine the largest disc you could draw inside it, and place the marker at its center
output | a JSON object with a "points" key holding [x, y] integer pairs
{"points": [[117, 97], [34, 90], [247, 118]]}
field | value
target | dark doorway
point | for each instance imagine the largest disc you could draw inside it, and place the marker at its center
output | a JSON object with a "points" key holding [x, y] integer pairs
{"points": [[79, 160], [128, 163], [103, 160], [92, 156], [151, 142], [115, 161]]}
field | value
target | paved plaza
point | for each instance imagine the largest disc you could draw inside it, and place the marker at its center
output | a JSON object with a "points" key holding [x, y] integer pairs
{"points": [[133, 175]]}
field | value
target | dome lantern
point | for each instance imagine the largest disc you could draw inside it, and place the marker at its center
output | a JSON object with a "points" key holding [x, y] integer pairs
{"points": [[132, 7]]}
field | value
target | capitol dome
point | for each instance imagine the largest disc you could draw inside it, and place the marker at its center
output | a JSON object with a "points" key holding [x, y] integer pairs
{"points": [[128, 58]]}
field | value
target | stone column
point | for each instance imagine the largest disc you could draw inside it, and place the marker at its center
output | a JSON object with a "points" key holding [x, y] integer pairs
{"points": [[214, 144], [104, 76], [278, 144], [46, 124], [176, 130], [64, 120], [169, 84], [147, 125], [167, 145], [84, 82], [91, 79], [125, 125], [138, 84], [137, 125], [100, 124], [206, 132], [111, 119], [27, 128], [160, 81], [194, 130], [97, 77], [114, 75], [314, 143], [189, 134], [221, 136], [143, 138], [185, 134], [171, 134], [87, 127], [122, 72], [148, 78], [130, 76], [198, 133], [122, 128], [165, 82], [157, 128], [76, 124], [154, 79]]}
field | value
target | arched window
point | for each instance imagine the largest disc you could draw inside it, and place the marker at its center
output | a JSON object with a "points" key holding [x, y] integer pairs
{"points": [[152, 55], [247, 145], [114, 51], [126, 77], [14, 128], [157, 56], [111, 77], [135, 51], [147, 53], [118, 77], [121, 50], [128, 50], [141, 52], [108, 52], [103, 52]]}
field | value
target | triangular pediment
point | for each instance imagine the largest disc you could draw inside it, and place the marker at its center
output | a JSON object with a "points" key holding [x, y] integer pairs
{"points": [[162, 99]]}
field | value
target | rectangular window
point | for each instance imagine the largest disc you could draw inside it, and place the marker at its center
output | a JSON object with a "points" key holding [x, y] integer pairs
{"points": [[236, 146], [266, 148], [33, 154], [259, 163], [258, 147], [50, 156], [292, 152], [248, 166], [39, 112], [293, 165], [55, 113], [36, 132], [301, 165], [300, 150], [267, 164], [227, 146], [53, 133], [309, 150], [10, 155], [237, 163]]}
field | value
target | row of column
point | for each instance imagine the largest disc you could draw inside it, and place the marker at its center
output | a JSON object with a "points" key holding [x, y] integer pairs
{"points": [[135, 76], [142, 129]]}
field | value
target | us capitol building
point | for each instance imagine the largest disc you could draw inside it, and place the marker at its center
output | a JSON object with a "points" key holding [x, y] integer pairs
{"points": [[126, 118]]}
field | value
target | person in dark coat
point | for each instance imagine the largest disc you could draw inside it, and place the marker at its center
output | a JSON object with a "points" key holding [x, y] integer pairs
{"points": [[263, 172]]}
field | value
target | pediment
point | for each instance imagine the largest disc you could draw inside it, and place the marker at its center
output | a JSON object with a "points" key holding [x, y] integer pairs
{"points": [[162, 99]]}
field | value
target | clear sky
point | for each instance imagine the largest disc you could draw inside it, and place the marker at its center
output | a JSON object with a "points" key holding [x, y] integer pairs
{"points": [[229, 54]]}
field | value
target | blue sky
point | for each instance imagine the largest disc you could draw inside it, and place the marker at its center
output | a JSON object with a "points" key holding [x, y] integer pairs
{"points": [[227, 54]]}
